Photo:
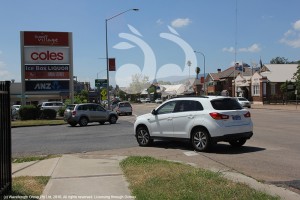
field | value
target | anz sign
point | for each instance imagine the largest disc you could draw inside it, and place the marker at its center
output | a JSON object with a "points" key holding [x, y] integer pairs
{"points": [[43, 86]]}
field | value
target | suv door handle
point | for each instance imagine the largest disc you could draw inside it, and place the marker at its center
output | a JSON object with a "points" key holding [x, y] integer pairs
{"points": [[190, 116]]}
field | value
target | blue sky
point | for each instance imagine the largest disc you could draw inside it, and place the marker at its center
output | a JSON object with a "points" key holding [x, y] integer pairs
{"points": [[263, 28]]}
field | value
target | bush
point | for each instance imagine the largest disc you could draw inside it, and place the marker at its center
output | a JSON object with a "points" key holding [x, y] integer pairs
{"points": [[61, 112], [28, 112], [48, 114]]}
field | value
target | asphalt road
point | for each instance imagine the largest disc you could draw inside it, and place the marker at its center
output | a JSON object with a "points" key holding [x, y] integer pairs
{"points": [[271, 155]]}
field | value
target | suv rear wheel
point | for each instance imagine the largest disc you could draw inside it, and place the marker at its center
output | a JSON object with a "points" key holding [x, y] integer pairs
{"points": [[200, 139], [113, 119], [83, 121]]}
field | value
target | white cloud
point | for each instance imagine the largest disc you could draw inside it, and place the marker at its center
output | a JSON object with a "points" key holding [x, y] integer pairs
{"points": [[252, 49], [292, 36], [230, 49], [159, 22], [180, 22]]}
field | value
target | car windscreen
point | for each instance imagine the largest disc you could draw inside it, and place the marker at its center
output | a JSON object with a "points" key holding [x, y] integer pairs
{"points": [[225, 104], [242, 99]]}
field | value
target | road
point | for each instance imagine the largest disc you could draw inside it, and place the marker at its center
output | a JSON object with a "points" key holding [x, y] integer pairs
{"points": [[271, 155]]}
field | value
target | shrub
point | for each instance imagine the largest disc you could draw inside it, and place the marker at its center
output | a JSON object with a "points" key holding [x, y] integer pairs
{"points": [[61, 112], [48, 114], [28, 112]]}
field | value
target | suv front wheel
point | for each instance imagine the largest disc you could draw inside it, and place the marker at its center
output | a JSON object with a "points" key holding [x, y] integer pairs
{"points": [[200, 139], [143, 136]]}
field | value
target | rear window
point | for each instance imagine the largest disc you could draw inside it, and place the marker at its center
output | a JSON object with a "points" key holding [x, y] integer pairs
{"points": [[242, 99], [70, 107], [124, 105], [225, 104]]}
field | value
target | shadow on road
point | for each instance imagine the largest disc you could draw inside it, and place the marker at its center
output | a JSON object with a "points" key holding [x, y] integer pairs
{"points": [[221, 148]]}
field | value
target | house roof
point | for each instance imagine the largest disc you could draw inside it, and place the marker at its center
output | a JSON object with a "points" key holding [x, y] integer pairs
{"points": [[230, 72], [279, 72]]}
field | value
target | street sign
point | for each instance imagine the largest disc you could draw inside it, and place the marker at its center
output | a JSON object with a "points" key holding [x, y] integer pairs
{"points": [[103, 93], [101, 82]]}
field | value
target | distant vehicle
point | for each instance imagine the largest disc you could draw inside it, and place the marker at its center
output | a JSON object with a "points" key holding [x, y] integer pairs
{"points": [[203, 121], [158, 100], [15, 112], [54, 105], [243, 101], [85, 113], [147, 100], [123, 107]]}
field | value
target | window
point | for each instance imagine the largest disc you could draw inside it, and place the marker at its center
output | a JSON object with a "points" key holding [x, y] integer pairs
{"points": [[273, 88], [167, 108], [256, 90], [186, 106], [226, 104]]}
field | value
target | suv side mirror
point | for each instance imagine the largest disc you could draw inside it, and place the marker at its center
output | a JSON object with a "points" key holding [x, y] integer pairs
{"points": [[154, 112]]}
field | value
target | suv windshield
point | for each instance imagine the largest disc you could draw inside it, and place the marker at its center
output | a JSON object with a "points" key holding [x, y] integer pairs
{"points": [[226, 104]]}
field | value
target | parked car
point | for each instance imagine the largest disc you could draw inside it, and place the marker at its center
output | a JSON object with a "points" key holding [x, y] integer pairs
{"points": [[55, 105], [123, 107], [243, 101], [147, 100], [85, 113], [203, 121], [158, 100], [15, 112]]}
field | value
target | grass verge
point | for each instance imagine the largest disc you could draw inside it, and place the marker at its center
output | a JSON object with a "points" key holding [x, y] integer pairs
{"points": [[28, 187], [150, 178], [33, 158], [19, 123]]}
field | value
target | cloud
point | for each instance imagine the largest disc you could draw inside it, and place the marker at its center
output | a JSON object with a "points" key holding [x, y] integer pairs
{"points": [[160, 22], [292, 36], [180, 22], [252, 49]]}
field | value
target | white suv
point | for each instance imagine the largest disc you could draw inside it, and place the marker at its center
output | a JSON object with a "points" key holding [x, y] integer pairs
{"points": [[203, 121]]}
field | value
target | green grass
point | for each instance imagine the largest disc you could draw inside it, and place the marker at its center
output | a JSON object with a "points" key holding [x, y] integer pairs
{"points": [[20, 123], [28, 187], [33, 158], [150, 178]]}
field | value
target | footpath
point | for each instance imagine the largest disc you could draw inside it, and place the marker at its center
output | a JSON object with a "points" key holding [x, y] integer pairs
{"points": [[97, 175]]}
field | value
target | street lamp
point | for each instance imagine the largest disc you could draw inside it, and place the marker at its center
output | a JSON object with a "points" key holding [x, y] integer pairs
{"points": [[107, 62], [203, 69]]}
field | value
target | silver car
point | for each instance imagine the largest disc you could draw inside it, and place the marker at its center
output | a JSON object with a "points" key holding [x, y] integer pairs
{"points": [[243, 101], [85, 113], [123, 107]]}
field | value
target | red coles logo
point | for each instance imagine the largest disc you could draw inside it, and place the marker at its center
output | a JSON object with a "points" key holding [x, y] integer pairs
{"points": [[47, 55]]}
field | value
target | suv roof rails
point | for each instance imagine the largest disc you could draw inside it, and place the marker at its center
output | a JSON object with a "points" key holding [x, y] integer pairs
{"points": [[187, 96]]}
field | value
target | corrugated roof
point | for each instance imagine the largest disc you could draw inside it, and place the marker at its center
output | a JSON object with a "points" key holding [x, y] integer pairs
{"points": [[280, 72], [231, 72]]}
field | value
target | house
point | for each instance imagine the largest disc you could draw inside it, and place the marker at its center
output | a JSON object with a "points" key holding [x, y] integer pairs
{"points": [[222, 80], [265, 85]]}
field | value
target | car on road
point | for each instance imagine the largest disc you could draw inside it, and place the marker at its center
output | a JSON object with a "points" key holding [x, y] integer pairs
{"points": [[158, 100], [243, 101], [15, 112], [123, 107], [147, 100], [54, 105], [203, 121], [85, 113]]}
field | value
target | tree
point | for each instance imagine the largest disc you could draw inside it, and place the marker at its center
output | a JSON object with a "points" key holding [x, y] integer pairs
{"points": [[279, 60], [296, 77], [139, 82]]}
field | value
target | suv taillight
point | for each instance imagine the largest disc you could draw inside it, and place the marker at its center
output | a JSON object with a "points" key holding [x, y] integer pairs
{"points": [[247, 114], [218, 116], [74, 112]]}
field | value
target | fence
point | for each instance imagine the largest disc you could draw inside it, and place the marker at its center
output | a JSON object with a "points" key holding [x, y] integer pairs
{"points": [[5, 139]]}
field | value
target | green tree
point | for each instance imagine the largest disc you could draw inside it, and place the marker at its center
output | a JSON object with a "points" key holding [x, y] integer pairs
{"points": [[139, 82], [279, 60], [296, 77]]}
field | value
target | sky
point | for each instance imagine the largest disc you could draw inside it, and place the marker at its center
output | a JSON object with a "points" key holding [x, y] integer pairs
{"points": [[158, 40]]}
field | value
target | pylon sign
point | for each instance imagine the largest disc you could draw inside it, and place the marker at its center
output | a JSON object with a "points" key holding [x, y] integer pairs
{"points": [[101, 82]]}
